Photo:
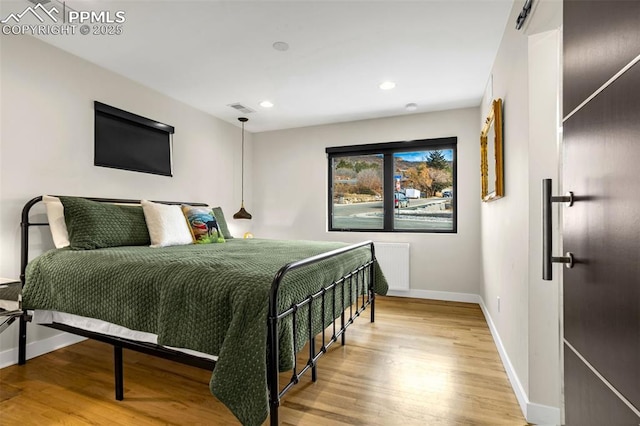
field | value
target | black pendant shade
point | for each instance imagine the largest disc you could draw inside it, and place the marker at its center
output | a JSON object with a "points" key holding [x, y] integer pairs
{"points": [[242, 213]]}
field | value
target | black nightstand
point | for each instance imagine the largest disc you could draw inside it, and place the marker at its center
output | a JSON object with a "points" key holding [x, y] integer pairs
{"points": [[10, 302]]}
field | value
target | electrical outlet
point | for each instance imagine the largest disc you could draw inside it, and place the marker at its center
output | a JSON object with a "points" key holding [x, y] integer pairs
{"points": [[498, 303]]}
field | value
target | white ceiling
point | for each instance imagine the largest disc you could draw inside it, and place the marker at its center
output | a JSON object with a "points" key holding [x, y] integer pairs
{"points": [[209, 54]]}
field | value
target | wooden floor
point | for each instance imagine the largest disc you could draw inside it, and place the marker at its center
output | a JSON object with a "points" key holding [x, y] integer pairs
{"points": [[421, 363]]}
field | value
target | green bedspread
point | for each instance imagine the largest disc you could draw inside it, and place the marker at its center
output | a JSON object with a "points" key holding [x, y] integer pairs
{"points": [[211, 298]]}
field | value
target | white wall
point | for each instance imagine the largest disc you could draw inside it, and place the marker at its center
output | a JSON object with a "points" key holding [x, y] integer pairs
{"points": [[544, 296], [47, 145], [526, 74], [505, 222], [290, 170]]}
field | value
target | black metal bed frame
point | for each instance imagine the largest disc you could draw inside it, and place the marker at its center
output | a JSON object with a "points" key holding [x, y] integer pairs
{"points": [[357, 277]]}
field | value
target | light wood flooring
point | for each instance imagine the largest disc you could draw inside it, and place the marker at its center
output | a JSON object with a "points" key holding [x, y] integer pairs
{"points": [[421, 363]]}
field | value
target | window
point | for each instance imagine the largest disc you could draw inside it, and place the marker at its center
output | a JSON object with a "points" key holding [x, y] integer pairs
{"points": [[130, 142], [393, 187]]}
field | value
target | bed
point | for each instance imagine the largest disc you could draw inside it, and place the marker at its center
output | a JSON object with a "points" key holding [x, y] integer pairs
{"points": [[242, 309]]}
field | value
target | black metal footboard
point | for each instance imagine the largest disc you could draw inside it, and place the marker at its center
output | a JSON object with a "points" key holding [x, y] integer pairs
{"points": [[359, 282], [345, 298]]}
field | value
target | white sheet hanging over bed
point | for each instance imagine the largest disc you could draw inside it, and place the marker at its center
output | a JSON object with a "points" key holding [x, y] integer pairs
{"points": [[103, 327]]}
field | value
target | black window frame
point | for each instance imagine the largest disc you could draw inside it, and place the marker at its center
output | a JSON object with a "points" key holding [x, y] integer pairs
{"points": [[388, 149]]}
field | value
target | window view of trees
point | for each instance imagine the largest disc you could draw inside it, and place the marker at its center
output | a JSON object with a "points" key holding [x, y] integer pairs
{"points": [[427, 178], [358, 190], [431, 176], [423, 182], [358, 177]]}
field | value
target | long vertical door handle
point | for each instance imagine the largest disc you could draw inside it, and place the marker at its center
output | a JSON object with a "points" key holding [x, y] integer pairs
{"points": [[547, 235]]}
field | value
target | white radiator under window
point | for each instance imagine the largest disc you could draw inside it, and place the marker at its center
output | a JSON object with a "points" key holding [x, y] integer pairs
{"points": [[394, 262]]}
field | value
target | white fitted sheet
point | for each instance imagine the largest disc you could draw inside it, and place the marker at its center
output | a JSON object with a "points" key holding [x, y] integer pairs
{"points": [[103, 327]]}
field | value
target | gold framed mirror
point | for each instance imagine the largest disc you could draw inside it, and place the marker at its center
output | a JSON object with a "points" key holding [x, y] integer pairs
{"points": [[491, 166]]}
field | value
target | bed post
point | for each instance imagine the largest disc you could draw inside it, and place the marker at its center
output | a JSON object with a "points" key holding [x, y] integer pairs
{"points": [[273, 357], [24, 259], [272, 371], [372, 282], [118, 372]]}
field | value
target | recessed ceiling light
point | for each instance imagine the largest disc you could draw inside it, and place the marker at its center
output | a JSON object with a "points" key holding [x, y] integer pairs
{"points": [[411, 107], [281, 46], [387, 85], [266, 104]]}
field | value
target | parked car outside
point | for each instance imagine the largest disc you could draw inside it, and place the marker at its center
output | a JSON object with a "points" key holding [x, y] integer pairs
{"points": [[447, 194], [400, 200]]}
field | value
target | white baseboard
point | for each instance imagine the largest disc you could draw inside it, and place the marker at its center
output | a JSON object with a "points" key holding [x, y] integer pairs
{"points": [[534, 413], [39, 347], [436, 295], [543, 415]]}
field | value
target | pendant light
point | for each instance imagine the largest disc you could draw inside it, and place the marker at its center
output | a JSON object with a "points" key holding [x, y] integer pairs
{"points": [[242, 213]]}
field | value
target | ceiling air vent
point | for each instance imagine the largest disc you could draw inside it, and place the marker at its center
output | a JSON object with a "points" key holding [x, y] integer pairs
{"points": [[241, 108]]}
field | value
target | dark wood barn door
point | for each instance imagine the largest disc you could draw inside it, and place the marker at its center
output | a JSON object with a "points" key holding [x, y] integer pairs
{"points": [[601, 166]]}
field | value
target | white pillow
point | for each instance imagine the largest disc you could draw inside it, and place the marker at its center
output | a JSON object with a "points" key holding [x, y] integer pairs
{"points": [[57, 225], [167, 225]]}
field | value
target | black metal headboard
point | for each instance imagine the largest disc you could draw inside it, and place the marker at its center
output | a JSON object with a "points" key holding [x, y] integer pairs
{"points": [[25, 224]]}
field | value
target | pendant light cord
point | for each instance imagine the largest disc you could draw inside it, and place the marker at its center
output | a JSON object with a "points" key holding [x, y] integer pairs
{"points": [[242, 179], [242, 213]]}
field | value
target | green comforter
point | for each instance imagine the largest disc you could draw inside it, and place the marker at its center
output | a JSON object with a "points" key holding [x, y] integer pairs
{"points": [[211, 298]]}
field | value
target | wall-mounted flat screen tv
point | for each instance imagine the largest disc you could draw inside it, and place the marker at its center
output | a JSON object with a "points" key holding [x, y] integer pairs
{"points": [[130, 142]]}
